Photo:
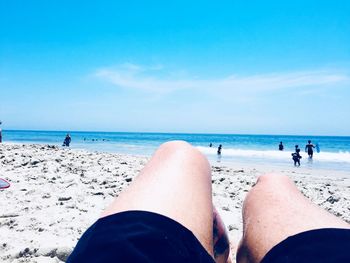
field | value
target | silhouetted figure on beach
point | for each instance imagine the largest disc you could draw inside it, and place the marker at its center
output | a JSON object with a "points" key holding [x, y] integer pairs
{"points": [[317, 146], [219, 149], [67, 140], [296, 157], [309, 149], [0, 133], [280, 146], [210, 145]]}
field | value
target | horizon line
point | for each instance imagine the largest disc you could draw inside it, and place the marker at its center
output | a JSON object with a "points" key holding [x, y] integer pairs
{"points": [[154, 132]]}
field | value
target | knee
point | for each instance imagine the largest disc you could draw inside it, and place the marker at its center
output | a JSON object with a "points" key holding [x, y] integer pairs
{"points": [[269, 187], [172, 146], [272, 179], [181, 148], [273, 184], [182, 151]]}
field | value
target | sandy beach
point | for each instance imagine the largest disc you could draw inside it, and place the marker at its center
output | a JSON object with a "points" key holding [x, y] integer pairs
{"points": [[57, 193]]}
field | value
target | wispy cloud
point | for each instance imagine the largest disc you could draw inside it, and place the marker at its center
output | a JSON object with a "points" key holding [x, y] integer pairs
{"points": [[153, 79]]}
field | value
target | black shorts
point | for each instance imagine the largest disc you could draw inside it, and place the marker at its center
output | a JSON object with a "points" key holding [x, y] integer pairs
{"points": [[328, 245], [138, 236]]}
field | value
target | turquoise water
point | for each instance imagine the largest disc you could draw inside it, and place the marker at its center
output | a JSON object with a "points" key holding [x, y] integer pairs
{"points": [[334, 154]]}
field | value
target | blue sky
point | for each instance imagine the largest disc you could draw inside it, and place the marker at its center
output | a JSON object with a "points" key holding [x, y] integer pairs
{"points": [[261, 67]]}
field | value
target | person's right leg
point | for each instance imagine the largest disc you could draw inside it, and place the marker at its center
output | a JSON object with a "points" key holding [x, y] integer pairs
{"points": [[175, 183], [275, 209]]}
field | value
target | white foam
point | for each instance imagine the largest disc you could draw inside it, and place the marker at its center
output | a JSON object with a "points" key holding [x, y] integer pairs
{"points": [[340, 157]]}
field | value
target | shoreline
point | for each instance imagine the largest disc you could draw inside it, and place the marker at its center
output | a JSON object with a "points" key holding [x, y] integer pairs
{"points": [[233, 161], [56, 194], [288, 170]]}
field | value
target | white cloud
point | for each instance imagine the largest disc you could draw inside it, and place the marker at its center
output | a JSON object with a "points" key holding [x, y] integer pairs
{"points": [[139, 68], [149, 79]]}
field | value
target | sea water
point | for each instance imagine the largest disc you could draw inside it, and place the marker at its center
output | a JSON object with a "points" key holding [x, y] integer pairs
{"points": [[261, 149]]}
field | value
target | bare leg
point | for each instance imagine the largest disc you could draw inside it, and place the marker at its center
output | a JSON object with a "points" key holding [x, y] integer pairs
{"points": [[221, 242], [274, 210], [176, 183]]}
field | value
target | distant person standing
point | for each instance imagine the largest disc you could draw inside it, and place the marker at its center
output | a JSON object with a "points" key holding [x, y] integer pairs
{"points": [[0, 133], [280, 146], [309, 149], [317, 146], [219, 149], [210, 145], [67, 140], [296, 156]]}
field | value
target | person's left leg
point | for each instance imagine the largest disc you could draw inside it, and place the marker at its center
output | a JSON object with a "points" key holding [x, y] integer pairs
{"points": [[274, 210]]}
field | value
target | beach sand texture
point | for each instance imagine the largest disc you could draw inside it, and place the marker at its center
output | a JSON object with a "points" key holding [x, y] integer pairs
{"points": [[56, 194]]}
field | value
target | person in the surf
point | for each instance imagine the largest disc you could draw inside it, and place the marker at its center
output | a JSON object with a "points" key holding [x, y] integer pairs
{"points": [[309, 149], [296, 156], [317, 146], [280, 146], [219, 149], [67, 140]]}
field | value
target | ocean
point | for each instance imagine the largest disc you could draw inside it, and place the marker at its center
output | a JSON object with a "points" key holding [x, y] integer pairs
{"points": [[260, 149]]}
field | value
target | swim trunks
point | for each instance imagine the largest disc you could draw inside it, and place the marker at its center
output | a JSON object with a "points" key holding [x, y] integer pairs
{"points": [[138, 236], [328, 245]]}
